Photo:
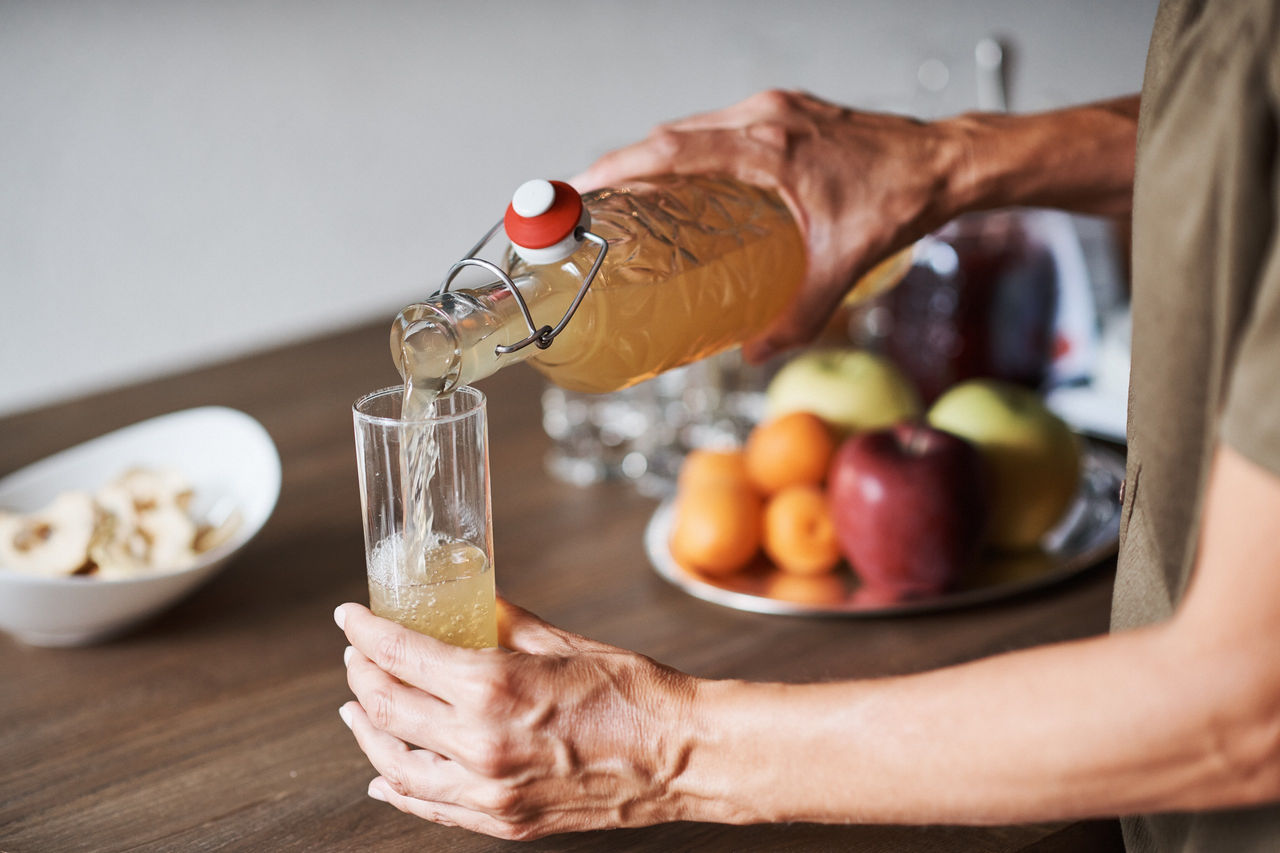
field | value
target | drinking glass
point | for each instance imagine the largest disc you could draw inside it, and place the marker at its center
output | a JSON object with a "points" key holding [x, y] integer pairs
{"points": [[428, 538]]}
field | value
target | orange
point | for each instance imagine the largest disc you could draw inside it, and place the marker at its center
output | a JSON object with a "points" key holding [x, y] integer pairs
{"points": [[716, 529], [819, 590], [703, 467], [793, 449], [799, 535]]}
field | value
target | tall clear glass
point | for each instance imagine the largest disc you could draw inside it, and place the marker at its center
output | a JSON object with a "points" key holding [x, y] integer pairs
{"points": [[424, 492]]}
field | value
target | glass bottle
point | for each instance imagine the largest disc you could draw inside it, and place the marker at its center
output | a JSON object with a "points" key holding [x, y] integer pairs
{"points": [[694, 266]]}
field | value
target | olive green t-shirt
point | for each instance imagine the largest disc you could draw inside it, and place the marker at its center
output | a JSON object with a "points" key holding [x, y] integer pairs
{"points": [[1206, 315]]}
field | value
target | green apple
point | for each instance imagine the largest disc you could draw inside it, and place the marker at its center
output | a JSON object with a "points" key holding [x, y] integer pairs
{"points": [[852, 390], [1033, 456]]}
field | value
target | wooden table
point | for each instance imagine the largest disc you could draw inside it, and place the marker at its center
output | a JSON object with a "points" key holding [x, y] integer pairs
{"points": [[215, 725]]}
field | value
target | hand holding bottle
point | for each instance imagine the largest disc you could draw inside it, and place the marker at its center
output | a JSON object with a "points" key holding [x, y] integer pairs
{"points": [[860, 185], [863, 185]]}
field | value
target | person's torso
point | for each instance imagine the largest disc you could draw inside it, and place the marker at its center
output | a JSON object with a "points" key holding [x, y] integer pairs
{"points": [[1201, 223]]}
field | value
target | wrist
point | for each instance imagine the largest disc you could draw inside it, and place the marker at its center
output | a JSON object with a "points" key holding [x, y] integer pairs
{"points": [[969, 162], [945, 178], [726, 774], [1078, 158]]}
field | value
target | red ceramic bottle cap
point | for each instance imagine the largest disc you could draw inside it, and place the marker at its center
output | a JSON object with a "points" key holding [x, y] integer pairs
{"points": [[542, 214]]}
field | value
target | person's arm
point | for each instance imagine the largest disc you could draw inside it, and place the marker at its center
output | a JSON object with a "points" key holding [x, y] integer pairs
{"points": [[566, 734], [1079, 159], [1180, 716], [863, 185]]}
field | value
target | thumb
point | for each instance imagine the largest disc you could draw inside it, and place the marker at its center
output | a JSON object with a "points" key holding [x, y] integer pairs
{"points": [[521, 631]]}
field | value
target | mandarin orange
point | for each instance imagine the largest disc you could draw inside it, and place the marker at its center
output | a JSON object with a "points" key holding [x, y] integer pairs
{"points": [[793, 449], [717, 528], [799, 534], [705, 467], [817, 590]]}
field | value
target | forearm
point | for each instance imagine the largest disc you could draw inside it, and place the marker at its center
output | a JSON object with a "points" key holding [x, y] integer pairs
{"points": [[1128, 723], [1079, 159]]}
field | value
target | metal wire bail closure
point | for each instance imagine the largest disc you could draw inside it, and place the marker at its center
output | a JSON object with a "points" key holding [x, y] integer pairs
{"points": [[542, 336]]}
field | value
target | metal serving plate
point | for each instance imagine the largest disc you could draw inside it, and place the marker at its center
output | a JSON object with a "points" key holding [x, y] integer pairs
{"points": [[1088, 534]]}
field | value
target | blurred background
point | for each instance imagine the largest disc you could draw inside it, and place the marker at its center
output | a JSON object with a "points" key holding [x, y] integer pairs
{"points": [[185, 181]]}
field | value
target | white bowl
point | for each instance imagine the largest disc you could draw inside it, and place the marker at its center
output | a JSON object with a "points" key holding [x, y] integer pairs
{"points": [[228, 458]]}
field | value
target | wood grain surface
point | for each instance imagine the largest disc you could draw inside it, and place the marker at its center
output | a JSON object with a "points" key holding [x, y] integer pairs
{"points": [[215, 726]]}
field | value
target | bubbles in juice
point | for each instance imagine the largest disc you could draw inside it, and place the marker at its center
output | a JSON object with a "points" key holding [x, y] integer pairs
{"points": [[447, 593]]}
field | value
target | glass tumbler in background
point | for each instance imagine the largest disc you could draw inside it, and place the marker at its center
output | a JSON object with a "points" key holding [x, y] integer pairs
{"points": [[447, 591], [642, 433]]}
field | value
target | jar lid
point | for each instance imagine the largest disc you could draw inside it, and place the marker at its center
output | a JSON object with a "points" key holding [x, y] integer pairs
{"points": [[542, 220]]}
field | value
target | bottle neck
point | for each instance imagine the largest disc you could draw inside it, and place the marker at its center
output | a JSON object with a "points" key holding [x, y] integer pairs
{"points": [[451, 339]]}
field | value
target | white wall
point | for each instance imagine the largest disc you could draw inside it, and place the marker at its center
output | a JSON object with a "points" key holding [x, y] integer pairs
{"points": [[184, 180]]}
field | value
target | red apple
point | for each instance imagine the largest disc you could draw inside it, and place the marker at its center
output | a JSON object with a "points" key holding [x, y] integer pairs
{"points": [[910, 506]]}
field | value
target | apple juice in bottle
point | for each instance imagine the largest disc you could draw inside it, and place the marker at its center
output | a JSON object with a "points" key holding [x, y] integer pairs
{"points": [[695, 265]]}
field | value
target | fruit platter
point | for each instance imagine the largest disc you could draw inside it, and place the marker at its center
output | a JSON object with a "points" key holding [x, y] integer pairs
{"points": [[880, 506]]}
